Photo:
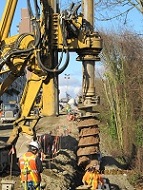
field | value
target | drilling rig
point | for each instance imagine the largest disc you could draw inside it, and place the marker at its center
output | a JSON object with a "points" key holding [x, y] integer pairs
{"points": [[54, 32]]}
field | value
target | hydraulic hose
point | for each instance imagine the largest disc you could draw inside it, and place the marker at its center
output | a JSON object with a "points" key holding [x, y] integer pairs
{"points": [[30, 9], [34, 21], [56, 70], [37, 44], [15, 51], [37, 9]]}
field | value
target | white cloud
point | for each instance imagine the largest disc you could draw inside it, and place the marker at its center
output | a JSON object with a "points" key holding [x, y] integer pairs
{"points": [[72, 85], [70, 80]]}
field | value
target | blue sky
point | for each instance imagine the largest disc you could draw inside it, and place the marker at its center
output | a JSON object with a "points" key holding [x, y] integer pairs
{"points": [[73, 85], [74, 69]]}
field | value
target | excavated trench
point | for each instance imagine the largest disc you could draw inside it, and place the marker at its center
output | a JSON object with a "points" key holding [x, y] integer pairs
{"points": [[61, 171], [78, 145], [66, 167]]}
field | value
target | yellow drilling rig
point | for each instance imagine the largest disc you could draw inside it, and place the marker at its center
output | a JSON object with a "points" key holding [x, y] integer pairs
{"points": [[54, 32]]}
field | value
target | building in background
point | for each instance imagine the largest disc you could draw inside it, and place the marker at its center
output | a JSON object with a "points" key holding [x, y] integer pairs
{"points": [[25, 23], [14, 92], [25, 26]]}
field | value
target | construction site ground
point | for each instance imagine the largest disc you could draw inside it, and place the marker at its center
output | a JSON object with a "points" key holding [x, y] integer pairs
{"points": [[61, 172]]}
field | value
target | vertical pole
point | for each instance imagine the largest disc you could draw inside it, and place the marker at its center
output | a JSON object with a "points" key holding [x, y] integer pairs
{"points": [[88, 63], [88, 123], [88, 15], [51, 89]]}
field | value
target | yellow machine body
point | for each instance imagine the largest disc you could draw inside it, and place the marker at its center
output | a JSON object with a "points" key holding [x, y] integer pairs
{"points": [[40, 96]]}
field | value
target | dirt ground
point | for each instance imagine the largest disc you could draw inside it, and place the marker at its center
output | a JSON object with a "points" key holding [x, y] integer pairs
{"points": [[61, 171]]}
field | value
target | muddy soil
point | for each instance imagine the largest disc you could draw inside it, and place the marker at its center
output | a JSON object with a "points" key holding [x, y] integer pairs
{"points": [[61, 171]]}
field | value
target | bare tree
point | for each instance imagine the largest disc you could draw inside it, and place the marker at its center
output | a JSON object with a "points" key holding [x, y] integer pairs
{"points": [[111, 9], [123, 86]]}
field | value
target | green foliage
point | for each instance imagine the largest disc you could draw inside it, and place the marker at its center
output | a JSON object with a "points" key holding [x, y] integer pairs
{"points": [[139, 133], [112, 126], [135, 178]]}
